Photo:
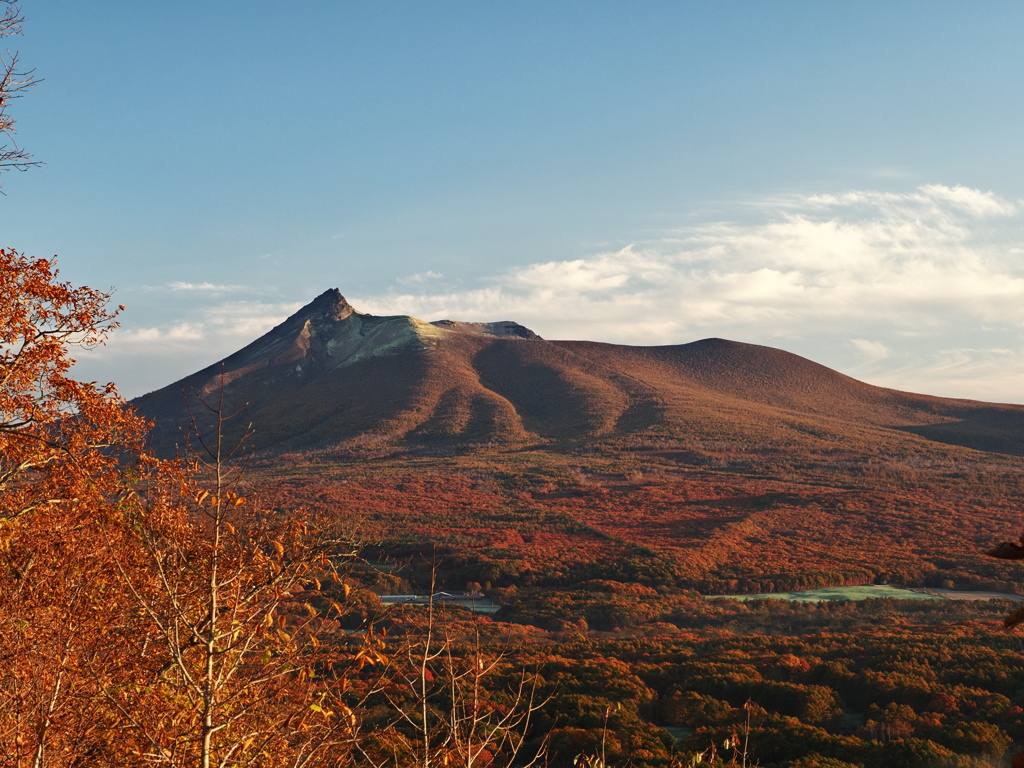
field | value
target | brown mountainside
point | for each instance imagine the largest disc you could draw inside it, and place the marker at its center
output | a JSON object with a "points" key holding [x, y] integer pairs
{"points": [[330, 374]]}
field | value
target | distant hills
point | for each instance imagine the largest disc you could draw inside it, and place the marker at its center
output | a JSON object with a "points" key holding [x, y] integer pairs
{"points": [[331, 375]]}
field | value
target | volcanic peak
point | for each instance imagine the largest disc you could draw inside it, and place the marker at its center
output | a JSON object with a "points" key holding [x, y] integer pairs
{"points": [[329, 305], [328, 333]]}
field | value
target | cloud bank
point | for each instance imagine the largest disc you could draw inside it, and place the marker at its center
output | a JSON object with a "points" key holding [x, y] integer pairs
{"points": [[858, 260], [922, 290]]}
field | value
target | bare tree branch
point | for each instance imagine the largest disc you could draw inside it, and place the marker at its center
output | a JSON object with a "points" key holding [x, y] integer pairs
{"points": [[14, 81]]}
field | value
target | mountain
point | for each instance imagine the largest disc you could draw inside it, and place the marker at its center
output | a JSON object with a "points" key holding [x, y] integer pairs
{"points": [[330, 374]]}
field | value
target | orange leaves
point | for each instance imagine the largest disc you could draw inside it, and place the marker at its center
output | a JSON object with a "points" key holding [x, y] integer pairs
{"points": [[56, 434], [230, 499], [221, 585], [65, 451]]}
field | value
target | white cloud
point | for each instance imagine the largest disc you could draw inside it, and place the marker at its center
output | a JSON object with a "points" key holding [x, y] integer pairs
{"points": [[216, 325], [869, 256], [141, 359], [204, 287], [872, 350], [421, 277], [187, 332], [991, 374]]}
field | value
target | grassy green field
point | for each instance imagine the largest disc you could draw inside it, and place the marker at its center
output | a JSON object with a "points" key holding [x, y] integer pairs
{"points": [[872, 592]]}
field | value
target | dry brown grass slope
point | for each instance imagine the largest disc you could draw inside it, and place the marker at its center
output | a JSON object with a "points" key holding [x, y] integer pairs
{"points": [[732, 375]]}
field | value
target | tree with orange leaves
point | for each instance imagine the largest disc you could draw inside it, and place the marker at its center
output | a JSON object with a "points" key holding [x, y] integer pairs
{"points": [[58, 436], [243, 668], [62, 448], [149, 613]]}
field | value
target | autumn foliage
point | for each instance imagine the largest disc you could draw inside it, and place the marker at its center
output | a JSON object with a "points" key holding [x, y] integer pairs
{"points": [[59, 437], [60, 475], [149, 613]]}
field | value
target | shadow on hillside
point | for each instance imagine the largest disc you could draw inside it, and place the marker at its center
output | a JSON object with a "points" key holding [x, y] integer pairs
{"points": [[996, 430]]}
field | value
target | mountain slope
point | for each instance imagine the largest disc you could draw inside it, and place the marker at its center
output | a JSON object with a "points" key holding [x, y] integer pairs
{"points": [[330, 374]]}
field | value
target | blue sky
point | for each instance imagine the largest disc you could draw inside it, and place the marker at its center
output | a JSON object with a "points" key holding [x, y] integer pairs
{"points": [[842, 180]]}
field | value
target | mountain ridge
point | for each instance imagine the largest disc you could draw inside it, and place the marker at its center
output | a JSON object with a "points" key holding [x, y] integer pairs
{"points": [[330, 374]]}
